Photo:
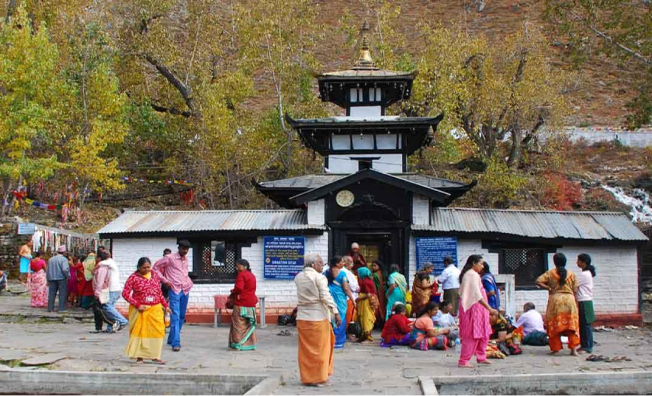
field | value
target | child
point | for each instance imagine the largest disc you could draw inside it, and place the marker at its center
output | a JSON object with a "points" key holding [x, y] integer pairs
{"points": [[397, 329], [444, 320]]}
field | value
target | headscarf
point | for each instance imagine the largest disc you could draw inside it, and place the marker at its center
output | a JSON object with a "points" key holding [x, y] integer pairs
{"points": [[364, 272]]}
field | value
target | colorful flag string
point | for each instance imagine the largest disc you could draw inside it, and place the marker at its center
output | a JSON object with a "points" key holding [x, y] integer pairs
{"points": [[137, 180], [22, 196]]}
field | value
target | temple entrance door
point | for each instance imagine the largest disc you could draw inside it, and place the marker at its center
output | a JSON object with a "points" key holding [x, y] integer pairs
{"points": [[373, 246], [384, 244]]}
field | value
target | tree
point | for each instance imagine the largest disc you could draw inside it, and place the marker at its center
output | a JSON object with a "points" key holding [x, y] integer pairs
{"points": [[29, 88], [496, 93], [96, 117], [281, 36], [616, 28]]}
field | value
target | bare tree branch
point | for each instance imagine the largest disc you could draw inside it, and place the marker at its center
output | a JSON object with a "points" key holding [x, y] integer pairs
{"points": [[183, 89], [171, 110]]}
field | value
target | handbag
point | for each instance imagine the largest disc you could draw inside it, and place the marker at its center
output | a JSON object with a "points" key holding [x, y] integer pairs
{"points": [[230, 302], [354, 328], [104, 296]]}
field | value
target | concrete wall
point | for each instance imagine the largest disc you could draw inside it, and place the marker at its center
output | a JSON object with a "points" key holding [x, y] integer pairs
{"points": [[615, 286], [420, 210], [280, 293], [317, 212]]}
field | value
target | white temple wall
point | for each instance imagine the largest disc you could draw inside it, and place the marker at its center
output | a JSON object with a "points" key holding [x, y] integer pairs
{"points": [[615, 286]]}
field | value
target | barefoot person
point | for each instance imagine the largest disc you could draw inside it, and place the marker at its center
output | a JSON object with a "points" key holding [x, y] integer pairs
{"points": [[315, 307], [562, 318], [474, 313], [584, 294], [146, 315], [242, 335]]}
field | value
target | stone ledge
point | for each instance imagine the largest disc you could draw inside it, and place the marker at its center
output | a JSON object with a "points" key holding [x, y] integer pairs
{"points": [[19, 381], [634, 382]]}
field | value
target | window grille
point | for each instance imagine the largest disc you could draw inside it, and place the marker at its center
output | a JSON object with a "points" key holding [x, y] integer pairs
{"points": [[216, 264], [525, 264]]}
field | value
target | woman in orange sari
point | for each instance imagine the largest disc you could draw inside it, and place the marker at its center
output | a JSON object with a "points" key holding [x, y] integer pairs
{"points": [[562, 317], [379, 282]]}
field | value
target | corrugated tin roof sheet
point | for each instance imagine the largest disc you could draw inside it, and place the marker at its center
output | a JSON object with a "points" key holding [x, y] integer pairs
{"points": [[209, 220], [535, 224]]}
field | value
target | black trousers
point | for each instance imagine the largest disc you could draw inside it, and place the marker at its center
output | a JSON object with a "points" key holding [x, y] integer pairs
{"points": [[101, 315]]}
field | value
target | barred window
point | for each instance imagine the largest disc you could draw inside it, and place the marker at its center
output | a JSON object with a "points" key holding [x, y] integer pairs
{"points": [[525, 264], [216, 262]]}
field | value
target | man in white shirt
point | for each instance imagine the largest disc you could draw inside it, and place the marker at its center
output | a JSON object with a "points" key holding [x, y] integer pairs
{"points": [[315, 305], [532, 323], [450, 282]]}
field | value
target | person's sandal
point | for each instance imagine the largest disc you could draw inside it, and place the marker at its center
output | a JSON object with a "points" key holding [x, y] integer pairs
{"points": [[468, 365], [176, 349], [158, 361]]}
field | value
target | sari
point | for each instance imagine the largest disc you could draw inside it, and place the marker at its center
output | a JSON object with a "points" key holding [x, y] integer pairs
{"points": [[379, 282], [419, 338], [489, 284], [336, 289], [367, 307], [398, 294], [146, 332], [242, 335], [39, 289], [421, 292], [562, 317]]}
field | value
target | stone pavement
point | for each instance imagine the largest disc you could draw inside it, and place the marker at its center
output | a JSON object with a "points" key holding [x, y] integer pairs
{"points": [[359, 369]]}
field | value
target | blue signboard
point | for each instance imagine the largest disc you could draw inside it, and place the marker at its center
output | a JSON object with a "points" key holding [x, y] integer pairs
{"points": [[283, 256], [434, 249], [26, 228]]}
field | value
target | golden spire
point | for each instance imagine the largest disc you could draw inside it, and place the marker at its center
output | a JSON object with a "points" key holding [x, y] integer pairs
{"points": [[364, 62]]}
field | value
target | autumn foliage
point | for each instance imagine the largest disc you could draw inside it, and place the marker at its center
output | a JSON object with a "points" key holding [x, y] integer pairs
{"points": [[560, 193]]}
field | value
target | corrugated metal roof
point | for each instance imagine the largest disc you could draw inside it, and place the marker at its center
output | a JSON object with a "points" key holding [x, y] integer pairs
{"points": [[535, 224], [209, 220]]}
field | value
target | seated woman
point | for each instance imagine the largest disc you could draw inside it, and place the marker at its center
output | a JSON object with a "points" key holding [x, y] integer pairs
{"points": [[397, 329], [444, 320], [502, 330], [425, 335]]}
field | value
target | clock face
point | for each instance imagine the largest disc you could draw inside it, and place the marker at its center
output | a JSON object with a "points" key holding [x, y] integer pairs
{"points": [[344, 198]]}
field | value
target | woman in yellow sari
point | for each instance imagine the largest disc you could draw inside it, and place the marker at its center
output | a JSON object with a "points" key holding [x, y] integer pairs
{"points": [[562, 317], [146, 314], [367, 303]]}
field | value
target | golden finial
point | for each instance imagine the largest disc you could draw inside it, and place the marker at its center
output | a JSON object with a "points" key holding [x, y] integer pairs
{"points": [[364, 60]]}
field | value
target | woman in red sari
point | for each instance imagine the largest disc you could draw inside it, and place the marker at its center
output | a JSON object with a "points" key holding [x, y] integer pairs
{"points": [[242, 335], [38, 282], [474, 313]]}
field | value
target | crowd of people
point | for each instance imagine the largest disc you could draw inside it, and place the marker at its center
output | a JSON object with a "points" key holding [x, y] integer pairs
{"points": [[336, 303]]}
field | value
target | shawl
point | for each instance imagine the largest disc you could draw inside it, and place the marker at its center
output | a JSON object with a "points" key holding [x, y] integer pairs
{"points": [[89, 266], [470, 289]]}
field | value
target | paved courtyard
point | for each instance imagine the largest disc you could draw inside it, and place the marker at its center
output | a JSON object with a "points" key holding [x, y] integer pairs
{"points": [[359, 369]]}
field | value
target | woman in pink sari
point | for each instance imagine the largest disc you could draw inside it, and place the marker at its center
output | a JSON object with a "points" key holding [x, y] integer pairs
{"points": [[38, 284], [474, 313]]}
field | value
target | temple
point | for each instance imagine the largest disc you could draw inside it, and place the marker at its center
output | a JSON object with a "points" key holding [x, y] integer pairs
{"points": [[366, 195]]}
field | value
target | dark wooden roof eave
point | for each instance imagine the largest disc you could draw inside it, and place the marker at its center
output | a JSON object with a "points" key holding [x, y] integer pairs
{"points": [[436, 195]]}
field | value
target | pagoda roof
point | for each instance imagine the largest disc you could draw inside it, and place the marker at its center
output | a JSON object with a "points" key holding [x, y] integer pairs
{"points": [[366, 74], [383, 121], [315, 133], [280, 191]]}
